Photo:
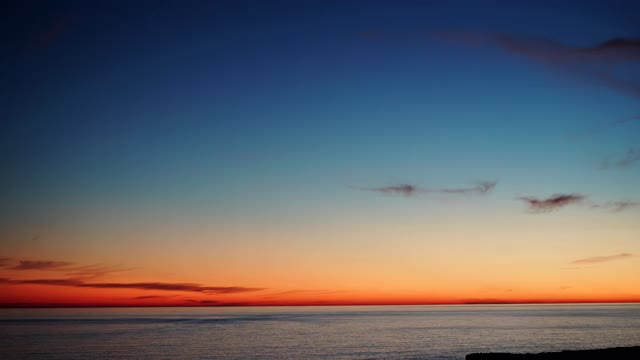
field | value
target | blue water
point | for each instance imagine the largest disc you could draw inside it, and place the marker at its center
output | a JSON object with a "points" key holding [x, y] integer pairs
{"points": [[354, 332]]}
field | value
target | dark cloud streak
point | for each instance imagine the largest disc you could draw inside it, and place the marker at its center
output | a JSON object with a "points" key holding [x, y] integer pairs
{"points": [[616, 48], [552, 203], [482, 187], [631, 157], [584, 62], [599, 259], [152, 297], [40, 265], [159, 286], [93, 271], [600, 64], [84, 272], [402, 189], [617, 206], [5, 261]]}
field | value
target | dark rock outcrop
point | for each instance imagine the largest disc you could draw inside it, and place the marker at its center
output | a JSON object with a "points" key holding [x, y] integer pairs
{"points": [[619, 353]]}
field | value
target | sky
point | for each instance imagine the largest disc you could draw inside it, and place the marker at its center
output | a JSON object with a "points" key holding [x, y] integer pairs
{"points": [[219, 153]]}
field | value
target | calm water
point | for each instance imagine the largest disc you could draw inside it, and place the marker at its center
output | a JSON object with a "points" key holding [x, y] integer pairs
{"points": [[357, 332]]}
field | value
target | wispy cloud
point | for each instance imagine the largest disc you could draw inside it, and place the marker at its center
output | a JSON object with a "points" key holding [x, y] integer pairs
{"points": [[560, 200], [617, 206], [171, 287], [303, 291], [93, 271], [84, 272], [158, 286], [616, 48], [59, 282], [401, 189], [482, 187], [5, 261], [600, 64], [552, 203], [591, 63], [40, 265], [209, 302], [599, 259], [608, 125], [628, 159], [153, 297], [203, 302]]}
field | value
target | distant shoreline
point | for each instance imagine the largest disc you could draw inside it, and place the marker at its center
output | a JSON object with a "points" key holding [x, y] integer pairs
{"points": [[622, 353]]}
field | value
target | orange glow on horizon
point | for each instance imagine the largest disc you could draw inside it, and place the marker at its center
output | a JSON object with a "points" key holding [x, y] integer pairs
{"points": [[50, 296]]}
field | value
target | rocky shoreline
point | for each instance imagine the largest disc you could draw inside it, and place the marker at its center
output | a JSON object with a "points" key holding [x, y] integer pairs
{"points": [[622, 353]]}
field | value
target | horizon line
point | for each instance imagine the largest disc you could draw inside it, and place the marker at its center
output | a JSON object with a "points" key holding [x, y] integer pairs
{"points": [[80, 306]]}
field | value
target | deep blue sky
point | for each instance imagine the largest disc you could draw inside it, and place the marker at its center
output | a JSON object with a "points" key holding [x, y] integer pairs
{"points": [[260, 106]]}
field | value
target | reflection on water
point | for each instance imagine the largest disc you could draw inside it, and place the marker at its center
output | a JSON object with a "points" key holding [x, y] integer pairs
{"points": [[353, 332]]}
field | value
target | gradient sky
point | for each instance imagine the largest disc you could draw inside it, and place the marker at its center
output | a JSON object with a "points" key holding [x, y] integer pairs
{"points": [[319, 152]]}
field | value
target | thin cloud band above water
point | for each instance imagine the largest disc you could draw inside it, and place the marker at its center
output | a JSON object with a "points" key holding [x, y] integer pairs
{"points": [[157, 286]]}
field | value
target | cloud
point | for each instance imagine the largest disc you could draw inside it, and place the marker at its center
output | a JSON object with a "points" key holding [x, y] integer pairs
{"points": [[171, 287], [4, 261], [591, 63], [160, 286], [610, 80], [209, 302], [84, 272], [617, 206], [610, 51], [153, 297], [402, 189], [40, 265], [615, 49], [552, 203], [482, 187], [93, 271], [628, 159], [203, 302], [305, 291], [588, 63], [611, 124], [599, 259], [59, 282]]}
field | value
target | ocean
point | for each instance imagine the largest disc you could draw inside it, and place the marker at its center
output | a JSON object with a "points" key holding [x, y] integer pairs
{"points": [[322, 332]]}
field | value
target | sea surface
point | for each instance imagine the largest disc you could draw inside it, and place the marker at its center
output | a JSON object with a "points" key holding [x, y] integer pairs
{"points": [[350, 332]]}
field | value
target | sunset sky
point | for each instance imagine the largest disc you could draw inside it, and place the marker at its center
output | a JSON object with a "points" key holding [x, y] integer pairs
{"points": [[319, 152]]}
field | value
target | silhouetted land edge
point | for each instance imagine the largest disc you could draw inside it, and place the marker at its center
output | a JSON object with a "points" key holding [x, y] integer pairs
{"points": [[623, 353]]}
